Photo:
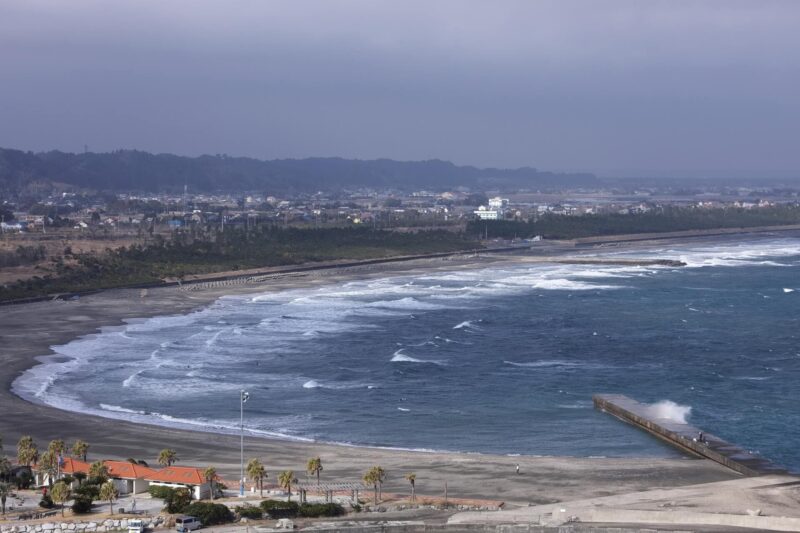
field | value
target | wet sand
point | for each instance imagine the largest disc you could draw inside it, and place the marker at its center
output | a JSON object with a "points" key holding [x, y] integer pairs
{"points": [[28, 330]]}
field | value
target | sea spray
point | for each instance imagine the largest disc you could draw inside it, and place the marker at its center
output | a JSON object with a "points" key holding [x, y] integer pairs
{"points": [[669, 410]]}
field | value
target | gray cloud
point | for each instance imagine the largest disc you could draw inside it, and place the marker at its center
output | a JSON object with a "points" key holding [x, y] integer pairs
{"points": [[657, 87]]}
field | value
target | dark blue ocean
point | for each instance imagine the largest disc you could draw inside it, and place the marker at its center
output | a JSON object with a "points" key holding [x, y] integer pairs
{"points": [[502, 358]]}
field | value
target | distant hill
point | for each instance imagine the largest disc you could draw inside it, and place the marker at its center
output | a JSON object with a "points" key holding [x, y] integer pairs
{"points": [[131, 170]]}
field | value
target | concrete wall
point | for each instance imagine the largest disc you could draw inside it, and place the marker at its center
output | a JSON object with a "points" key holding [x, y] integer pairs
{"points": [[685, 518], [76, 527]]}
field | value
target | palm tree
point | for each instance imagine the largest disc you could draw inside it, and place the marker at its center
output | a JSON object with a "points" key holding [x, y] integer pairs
{"points": [[5, 467], [108, 492], [80, 449], [27, 453], [257, 472], [314, 466], [98, 470], [60, 494], [210, 474], [56, 446], [412, 478], [375, 477], [48, 466], [285, 480], [5, 490], [167, 457]]}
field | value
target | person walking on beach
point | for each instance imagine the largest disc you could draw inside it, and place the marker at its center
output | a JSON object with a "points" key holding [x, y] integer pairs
{"points": [[517, 468]]}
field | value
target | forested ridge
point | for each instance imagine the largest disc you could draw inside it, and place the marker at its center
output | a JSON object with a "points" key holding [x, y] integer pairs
{"points": [[133, 170]]}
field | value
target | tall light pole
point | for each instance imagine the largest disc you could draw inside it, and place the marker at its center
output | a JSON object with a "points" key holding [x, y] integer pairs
{"points": [[243, 397]]}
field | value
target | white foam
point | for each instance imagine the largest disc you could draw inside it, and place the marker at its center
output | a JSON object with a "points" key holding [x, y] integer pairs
{"points": [[468, 325], [400, 357], [314, 384], [788, 290], [118, 409], [541, 364]]}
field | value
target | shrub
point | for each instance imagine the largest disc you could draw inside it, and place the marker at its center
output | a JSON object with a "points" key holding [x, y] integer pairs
{"points": [[277, 509], [250, 511], [210, 513], [82, 505], [46, 502], [315, 510], [177, 501], [89, 491], [23, 480], [96, 480], [162, 493]]}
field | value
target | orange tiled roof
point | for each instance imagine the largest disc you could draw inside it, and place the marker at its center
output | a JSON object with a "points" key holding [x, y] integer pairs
{"points": [[70, 466], [178, 474], [127, 470], [73, 465]]}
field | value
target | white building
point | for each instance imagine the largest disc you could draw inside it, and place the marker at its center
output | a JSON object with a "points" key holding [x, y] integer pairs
{"points": [[487, 214], [498, 204]]}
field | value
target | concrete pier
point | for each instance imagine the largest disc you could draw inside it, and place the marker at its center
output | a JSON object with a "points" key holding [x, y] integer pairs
{"points": [[685, 436]]}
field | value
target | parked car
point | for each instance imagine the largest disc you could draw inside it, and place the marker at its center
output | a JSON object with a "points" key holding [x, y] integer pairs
{"points": [[135, 526], [184, 524]]}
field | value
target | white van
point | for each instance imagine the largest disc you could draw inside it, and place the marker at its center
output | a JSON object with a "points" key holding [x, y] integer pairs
{"points": [[187, 523], [135, 526]]}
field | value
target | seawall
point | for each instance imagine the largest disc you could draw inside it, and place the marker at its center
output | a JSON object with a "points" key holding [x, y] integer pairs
{"points": [[686, 436]]}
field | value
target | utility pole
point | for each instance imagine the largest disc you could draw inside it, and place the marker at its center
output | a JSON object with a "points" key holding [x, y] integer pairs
{"points": [[243, 397]]}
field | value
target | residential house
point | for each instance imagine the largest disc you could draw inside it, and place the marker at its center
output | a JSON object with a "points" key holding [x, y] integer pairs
{"points": [[68, 467], [129, 478], [182, 477]]}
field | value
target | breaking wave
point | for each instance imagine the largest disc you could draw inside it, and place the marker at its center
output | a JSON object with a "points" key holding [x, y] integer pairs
{"points": [[400, 357]]}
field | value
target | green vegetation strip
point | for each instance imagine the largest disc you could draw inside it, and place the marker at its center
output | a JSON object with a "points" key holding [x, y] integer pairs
{"points": [[663, 220], [234, 249]]}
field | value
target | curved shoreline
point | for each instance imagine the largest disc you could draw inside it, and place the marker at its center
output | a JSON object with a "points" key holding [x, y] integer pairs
{"points": [[29, 330], [32, 384]]}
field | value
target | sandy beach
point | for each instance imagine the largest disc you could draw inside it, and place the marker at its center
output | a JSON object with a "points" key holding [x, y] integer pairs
{"points": [[28, 330]]}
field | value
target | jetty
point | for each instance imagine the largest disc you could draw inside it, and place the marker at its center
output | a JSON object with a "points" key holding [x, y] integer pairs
{"points": [[686, 437]]}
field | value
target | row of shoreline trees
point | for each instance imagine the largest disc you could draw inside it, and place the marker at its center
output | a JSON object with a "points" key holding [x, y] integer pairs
{"points": [[228, 250]]}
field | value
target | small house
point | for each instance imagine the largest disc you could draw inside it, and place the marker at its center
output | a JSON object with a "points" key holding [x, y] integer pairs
{"points": [[178, 477], [129, 478]]}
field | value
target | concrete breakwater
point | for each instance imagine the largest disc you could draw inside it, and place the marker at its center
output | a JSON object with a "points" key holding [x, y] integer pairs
{"points": [[78, 527], [604, 261], [686, 436]]}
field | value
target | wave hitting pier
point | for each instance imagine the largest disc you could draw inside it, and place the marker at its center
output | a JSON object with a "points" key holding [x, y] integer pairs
{"points": [[686, 437]]}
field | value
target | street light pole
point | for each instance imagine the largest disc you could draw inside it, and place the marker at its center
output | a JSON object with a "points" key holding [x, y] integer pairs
{"points": [[243, 396]]}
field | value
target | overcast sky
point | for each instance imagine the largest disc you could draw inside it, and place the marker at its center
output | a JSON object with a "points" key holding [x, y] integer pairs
{"points": [[614, 87]]}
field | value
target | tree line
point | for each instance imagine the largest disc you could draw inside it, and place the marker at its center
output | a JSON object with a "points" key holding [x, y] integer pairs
{"points": [[663, 220], [233, 248]]}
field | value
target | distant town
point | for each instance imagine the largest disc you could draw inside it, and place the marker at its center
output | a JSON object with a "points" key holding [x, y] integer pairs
{"points": [[72, 223], [109, 214]]}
